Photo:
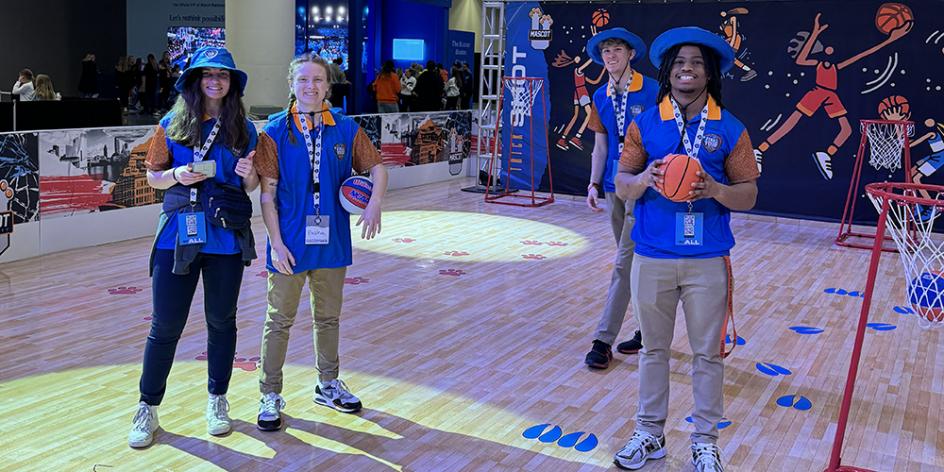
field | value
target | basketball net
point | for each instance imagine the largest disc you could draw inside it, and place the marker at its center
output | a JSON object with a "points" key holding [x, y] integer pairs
{"points": [[523, 92], [912, 210], [886, 143]]}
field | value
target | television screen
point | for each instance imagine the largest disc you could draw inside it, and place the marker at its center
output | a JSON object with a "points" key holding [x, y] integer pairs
{"points": [[183, 41], [409, 49]]}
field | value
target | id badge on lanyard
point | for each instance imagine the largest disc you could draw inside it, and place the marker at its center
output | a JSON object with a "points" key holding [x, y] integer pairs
{"points": [[191, 225], [690, 225], [317, 229]]}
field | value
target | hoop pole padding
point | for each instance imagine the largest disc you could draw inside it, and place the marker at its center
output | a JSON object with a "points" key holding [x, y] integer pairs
{"points": [[835, 459]]}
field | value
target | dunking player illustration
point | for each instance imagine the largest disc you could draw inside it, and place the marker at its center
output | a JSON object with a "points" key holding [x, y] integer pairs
{"points": [[824, 95], [581, 97], [730, 28]]}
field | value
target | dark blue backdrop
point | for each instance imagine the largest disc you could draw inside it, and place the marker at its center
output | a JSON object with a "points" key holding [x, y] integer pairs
{"points": [[790, 185]]}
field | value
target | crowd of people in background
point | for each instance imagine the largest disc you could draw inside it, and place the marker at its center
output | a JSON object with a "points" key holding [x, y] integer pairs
{"points": [[419, 89], [146, 85]]}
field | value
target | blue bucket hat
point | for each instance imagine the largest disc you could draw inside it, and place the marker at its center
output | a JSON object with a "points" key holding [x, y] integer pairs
{"points": [[218, 58], [692, 35], [635, 42]]}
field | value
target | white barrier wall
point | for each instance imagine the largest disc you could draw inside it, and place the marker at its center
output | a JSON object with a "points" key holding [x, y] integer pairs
{"points": [[84, 187]]}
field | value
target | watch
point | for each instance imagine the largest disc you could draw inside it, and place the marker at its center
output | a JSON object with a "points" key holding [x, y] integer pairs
{"points": [[595, 185]]}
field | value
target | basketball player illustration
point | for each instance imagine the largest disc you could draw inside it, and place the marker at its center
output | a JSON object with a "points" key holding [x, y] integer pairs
{"points": [[730, 29], [581, 98], [824, 94], [928, 165]]}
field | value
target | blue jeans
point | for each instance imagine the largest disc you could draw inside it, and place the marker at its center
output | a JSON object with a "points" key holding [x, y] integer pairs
{"points": [[172, 295]]}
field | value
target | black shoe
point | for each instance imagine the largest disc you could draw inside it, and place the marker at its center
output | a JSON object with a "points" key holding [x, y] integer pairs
{"points": [[632, 346], [599, 356]]}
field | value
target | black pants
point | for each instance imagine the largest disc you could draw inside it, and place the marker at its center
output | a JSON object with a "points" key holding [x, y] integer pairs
{"points": [[172, 295]]}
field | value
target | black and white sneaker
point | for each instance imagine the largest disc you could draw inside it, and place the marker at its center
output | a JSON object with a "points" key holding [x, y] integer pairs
{"points": [[640, 448], [335, 394], [270, 412], [706, 457]]}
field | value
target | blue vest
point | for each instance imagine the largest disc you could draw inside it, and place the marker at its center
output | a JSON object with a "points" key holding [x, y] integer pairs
{"points": [[295, 190], [654, 231], [642, 95], [219, 240]]}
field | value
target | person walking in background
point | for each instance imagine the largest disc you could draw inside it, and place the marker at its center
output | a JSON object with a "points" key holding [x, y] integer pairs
{"points": [[407, 84], [387, 88]]}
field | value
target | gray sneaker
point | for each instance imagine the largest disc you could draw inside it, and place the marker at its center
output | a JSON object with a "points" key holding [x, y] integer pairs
{"points": [[706, 457], [335, 394], [143, 426], [640, 448], [217, 415]]}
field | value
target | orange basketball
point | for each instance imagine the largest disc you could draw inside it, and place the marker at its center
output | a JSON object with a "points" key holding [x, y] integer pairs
{"points": [[679, 174], [601, 17], [887, 103], [891, 16]]}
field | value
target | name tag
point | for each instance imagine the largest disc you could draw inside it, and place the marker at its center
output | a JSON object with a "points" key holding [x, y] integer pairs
{"points": [[317, 230], [689, 229], [191, 228]]}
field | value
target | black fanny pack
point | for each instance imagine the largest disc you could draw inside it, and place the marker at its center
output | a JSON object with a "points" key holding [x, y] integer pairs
{"points": [[226, 206]]}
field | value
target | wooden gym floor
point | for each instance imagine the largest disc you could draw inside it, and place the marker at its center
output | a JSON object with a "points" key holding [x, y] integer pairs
{"points": [[465, 324]]}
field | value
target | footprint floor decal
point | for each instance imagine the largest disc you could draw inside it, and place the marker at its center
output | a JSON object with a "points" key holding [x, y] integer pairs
{"points": [[556, 434], [806, 329], [740, 341], [724, 423], [880, 326], [772, 370], [797, 402]]}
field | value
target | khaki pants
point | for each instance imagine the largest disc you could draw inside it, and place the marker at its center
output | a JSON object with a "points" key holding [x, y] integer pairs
{"points": [[617, 298], [326, 287], [702, 286]]}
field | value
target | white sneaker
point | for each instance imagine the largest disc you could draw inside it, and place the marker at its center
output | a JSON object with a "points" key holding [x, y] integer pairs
{"points": [[335, 394], [217, 415], [270, 408], [759, 159], [824, 164], [706, 457], [143, 426], [640, 448]]}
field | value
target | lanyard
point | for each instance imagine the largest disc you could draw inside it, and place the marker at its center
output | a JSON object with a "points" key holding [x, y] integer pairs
{"points": [[314, 156], [691, 150], [200, 153], [619, 108]]}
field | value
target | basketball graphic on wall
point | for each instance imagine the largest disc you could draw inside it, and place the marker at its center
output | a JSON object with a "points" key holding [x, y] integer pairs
{"points": [[891, 16]]}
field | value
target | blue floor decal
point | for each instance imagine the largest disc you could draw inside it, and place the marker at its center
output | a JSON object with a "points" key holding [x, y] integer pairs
{"points": [[806, 329], [881, 326], [555, 434], [797, 402], [724, 423], [772, 370]]}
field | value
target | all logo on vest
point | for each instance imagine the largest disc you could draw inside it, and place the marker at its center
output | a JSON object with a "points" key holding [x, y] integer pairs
{"points": [[712, 142], [540, 34], [339, 150], [635, 109]]}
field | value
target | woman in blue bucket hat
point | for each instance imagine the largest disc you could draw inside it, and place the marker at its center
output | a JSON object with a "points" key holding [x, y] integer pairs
{"points": [[682, 248], [201, 154]]}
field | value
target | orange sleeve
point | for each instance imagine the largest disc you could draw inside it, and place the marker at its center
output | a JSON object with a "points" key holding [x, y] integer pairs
{"points": [[594, 123], [158, 156], [634, 154], [267, 157], [740, 165], [364, 153]]}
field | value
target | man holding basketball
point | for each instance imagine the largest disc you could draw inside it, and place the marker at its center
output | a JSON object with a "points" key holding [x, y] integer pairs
{"points": [[614, 107], [682, 248]]}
